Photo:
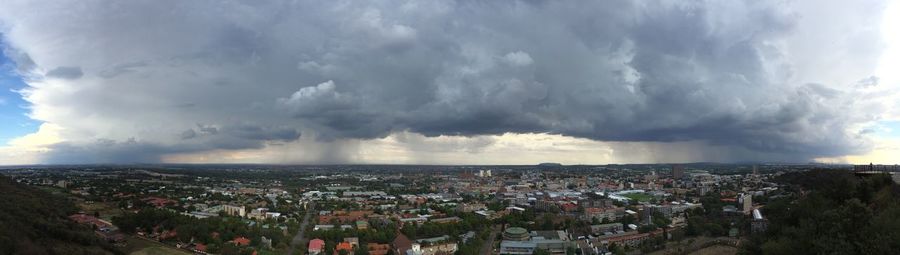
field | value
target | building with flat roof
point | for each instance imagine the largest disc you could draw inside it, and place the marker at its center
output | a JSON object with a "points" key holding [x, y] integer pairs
{"points": [[747, 200], [677, 172], [234, 210], [517, 247], [554, 242], [607, 228], [758, 224]]}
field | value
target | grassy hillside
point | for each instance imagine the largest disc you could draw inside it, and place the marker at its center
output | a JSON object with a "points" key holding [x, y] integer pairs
{"points": [[33, 221]]}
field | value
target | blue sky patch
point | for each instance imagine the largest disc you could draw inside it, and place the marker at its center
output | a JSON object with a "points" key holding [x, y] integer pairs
{"points": [[14, 121]]}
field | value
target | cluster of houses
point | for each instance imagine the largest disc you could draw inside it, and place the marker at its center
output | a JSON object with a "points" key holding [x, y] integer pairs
{"points": [[441, 245]]}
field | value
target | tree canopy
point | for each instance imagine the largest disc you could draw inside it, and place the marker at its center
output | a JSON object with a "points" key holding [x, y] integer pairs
{"points": [[833, 212], [33, 221]]}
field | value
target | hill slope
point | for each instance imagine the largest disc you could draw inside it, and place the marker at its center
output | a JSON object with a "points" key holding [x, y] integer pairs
{"points": [[33, 221]]}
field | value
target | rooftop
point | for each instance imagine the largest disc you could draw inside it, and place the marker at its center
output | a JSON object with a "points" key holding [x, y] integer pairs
{"points": [[516, 231]]}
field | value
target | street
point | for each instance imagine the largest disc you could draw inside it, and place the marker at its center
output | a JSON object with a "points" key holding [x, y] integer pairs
{"points": [[298, 239], [488, 246]]}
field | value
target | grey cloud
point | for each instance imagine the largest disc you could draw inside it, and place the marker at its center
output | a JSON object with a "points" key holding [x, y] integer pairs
{"points": [[188, 134], [418, 144], [207, 129], [185, 105], [242, 132], [715, 73], [108, 151], [203, 138], [65, 72], [253, 132], [23, 62], [120, 69], [871, 81], [679, 72]]}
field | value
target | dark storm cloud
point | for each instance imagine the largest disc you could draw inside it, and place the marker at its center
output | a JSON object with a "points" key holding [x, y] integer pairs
{"points": [[728, 74], [107, 151], [65, 72], [204, 138], [670, 72]]}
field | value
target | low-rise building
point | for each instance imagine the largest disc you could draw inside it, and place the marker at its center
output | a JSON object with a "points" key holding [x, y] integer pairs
{"points": [[607, 228], [316, 246], [517, 247], [378, 249], [234, 210], [343, 248]]}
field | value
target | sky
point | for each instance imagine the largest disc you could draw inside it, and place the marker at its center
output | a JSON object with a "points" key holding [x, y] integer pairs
{"points": [[449, 82], [13, 108]]}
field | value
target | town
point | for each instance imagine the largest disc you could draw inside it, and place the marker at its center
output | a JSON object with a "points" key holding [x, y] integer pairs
{"points": [[419, 210]]}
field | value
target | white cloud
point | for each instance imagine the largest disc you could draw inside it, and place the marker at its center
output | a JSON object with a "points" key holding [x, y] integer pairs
{"points": [[518, 58]]}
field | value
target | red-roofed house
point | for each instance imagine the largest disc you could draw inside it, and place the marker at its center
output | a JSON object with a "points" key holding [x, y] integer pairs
{"points": [[401, 244], [167, 234], [89, 220], [200, 247], [343, 246], [569, 207], [158, 201], [241, 241], [316, 246]]}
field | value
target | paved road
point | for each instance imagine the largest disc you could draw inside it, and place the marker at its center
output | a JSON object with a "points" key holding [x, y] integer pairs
{"points": [[298, 239], [487, 247]]}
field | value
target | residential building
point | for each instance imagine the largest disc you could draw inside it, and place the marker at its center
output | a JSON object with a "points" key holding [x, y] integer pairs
{"points": [[607, 228], [747, 201], [378, 249], [401, 244], [758, 224], [316, 246], [234, 210], [343, 248], [362, 225], [677, 172]]}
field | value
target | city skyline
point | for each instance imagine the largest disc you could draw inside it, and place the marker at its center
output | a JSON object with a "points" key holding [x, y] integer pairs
{"points": [[455, 83]]}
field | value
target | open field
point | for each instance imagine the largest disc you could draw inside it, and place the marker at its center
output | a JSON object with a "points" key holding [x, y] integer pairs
{"points": [[53, 190], [137, 246], [107, 210], [699, 245], [716, 250], [158, 250], [639, 196]]}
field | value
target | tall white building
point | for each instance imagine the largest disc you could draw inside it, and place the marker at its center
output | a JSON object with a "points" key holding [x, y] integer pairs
{"points": [[234, 210], [748, 203]]}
